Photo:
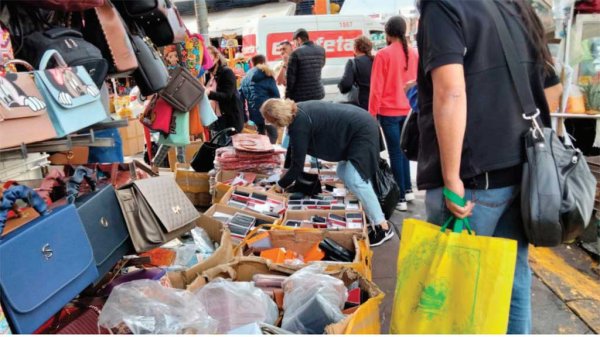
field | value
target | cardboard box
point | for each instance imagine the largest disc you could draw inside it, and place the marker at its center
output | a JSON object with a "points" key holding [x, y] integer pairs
{"points": [[365, 320], [224, 175], [219, 192], [190, 152], [224, 254], [231, 211], [276, 197], [190, 180], [307, 215], [132, 137]]}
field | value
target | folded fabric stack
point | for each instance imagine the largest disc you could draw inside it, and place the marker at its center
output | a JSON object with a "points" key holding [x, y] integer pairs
{"points": [[228, 158]]}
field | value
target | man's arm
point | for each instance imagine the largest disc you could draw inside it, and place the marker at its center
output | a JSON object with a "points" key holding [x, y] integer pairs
{"points": [[450, 118]]}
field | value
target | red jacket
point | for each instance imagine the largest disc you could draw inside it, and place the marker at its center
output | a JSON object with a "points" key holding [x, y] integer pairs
{"points": [[388, 78]]}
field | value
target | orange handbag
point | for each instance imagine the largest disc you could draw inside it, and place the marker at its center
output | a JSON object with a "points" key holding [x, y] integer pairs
{"points": [[196, 128]]}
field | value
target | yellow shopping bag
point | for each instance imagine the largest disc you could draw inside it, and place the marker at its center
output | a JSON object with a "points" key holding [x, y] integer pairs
{"points": [[452, 282]]}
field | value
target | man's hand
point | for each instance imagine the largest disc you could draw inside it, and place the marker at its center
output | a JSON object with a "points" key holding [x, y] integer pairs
{"points": [[457, 186]]}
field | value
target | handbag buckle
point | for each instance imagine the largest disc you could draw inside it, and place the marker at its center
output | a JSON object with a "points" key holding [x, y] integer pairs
{"points": [[536, 130], [47, 252], [104, 222]]}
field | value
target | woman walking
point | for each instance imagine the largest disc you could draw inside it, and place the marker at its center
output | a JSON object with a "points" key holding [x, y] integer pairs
{"points": [[358, 71]]}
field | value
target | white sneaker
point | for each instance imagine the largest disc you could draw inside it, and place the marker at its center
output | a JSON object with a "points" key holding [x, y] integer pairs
{"points": [[402, 206], [409, 196]]}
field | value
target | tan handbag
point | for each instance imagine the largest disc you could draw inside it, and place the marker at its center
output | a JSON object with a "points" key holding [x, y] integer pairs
{"points": [[24, 118], [156, 211], [184, 91], [105, 28], [78, 155]]}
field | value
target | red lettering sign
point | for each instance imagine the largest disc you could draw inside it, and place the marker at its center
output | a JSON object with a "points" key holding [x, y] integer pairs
{"points": [[249, 45], [337, 43]]}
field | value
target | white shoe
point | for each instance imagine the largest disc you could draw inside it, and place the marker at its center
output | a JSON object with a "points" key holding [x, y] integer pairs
{"points": [[409, 196], [402, 206]]}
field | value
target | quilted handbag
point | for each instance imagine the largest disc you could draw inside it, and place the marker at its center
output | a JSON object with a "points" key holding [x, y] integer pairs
{"points": [[156, 211], [184, 91], [114, 42], [72, 97], [74, 50], [22, 107], [44, 265], [151, 76], [180, 131], [158, 115]]}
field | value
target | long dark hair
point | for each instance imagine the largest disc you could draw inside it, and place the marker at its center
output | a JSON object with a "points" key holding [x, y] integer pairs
{"points": [[535, 30], [396, 27]]}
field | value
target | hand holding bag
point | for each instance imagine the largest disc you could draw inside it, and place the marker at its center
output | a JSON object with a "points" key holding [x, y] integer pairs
{"points": [[184, 91], [156, 211], [22, 107], [558, 188], [72, 97]]}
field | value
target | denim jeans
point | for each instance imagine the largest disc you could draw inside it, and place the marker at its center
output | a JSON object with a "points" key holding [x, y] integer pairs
{"points": [[362, 189], [392, 127], [497, 213]]}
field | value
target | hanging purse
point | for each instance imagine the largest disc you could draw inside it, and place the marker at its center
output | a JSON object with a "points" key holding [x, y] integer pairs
{"points": [[184, 91], [70, 44], [207, 114], [158, 116], [72, 97], [204, 159], [114, 43], [22, 107], [151, 75], [156, 211], [180, 131], [558, 188]]}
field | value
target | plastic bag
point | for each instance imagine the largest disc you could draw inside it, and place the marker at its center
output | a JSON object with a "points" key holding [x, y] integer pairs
{"points": [[386, 188], [312, 300], [204, 243], [235, 304], [146, 307], [184, 254]]}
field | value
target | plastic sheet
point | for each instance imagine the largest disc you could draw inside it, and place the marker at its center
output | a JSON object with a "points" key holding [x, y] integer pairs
{"points": [[235, 304], [312, 300], [146, 307], [184, 254], [203, 242]]}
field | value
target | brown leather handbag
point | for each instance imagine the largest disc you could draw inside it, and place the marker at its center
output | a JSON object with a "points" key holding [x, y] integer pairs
{"points": [[156, 211], [184, 91], [105, 28], [24, 118]]}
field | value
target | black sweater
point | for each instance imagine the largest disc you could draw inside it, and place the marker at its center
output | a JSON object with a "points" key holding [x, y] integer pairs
{"points": [[332, 132], [229, 101]]}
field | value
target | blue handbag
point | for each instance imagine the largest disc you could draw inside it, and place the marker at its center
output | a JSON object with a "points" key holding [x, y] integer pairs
{"points": [[44, 264], [72, 97]]}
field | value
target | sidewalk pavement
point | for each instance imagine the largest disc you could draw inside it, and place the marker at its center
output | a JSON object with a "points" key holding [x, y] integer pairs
{"points": [[560, 305]]}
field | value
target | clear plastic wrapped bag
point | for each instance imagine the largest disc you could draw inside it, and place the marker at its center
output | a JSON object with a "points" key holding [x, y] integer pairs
{"points": [[146, 307], [312, 300], [203, 242], [185, 253], [235, 304]]}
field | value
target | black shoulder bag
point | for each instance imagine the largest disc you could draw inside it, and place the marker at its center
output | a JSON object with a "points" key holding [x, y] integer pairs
{"points": [[557, 190]]}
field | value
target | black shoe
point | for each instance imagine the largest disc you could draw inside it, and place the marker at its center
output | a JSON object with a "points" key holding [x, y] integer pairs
{"points": [[378, 235]]}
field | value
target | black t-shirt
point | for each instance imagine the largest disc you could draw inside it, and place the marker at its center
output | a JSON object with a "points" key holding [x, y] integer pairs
{"points": [[463, 32]]}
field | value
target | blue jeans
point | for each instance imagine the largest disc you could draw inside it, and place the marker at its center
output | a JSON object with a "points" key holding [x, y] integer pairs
{"points": [[392, 127], [497, 213], [363, 190]]}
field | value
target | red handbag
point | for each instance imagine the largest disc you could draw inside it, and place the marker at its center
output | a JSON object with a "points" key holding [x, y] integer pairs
{"points": [[65, 5], [158, 116]]}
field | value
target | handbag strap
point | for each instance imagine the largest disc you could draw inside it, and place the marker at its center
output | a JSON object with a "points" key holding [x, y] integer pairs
{"points": [[518, 75]]}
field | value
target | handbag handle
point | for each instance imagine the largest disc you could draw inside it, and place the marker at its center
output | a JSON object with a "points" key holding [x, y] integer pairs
{"points": [[73, 186], [52, 54], [221, 134], [459, 224], [26, 64], [20, 192]]}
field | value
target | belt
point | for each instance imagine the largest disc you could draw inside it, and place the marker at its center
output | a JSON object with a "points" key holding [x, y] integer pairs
{"points": [[495, 179]]}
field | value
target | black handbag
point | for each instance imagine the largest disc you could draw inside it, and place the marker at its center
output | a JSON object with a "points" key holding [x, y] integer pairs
{"points": [[558, 188], [204, 159], [409, 137], [386, 188], [70, 45], [308, 184], [334, 252], [152, 75]]}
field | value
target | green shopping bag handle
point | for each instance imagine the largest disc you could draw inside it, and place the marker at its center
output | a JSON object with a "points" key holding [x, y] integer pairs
{"points": [[459, 224]]}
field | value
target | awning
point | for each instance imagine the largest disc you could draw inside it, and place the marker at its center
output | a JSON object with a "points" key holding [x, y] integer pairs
{"points": [[233, 20]]}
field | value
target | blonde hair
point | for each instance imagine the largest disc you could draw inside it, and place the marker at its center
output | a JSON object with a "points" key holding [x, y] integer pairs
{"points": [[221, 60], [279, 112]]}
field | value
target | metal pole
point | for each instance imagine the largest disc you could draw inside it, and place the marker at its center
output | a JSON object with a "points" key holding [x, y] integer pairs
{"points": [[202, 18], [328, 4]]}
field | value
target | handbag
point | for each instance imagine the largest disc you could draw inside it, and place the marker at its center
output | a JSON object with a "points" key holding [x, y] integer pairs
{"points": [[113, 43], [72, 97], [558, 188], [352, 97], [6, 51], [204, 159], [22, 107], [207, 114], [183, 91], [40, 270], [180, 131], [386, 188], [77, 155], [158, 115], [156, 211], [159, 19], [409, 136], [252, 143], [151, 75], [116, 174], [71, 46]]}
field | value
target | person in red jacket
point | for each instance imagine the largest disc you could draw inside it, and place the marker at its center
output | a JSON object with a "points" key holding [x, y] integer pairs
{"points": [[394, 66]]}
